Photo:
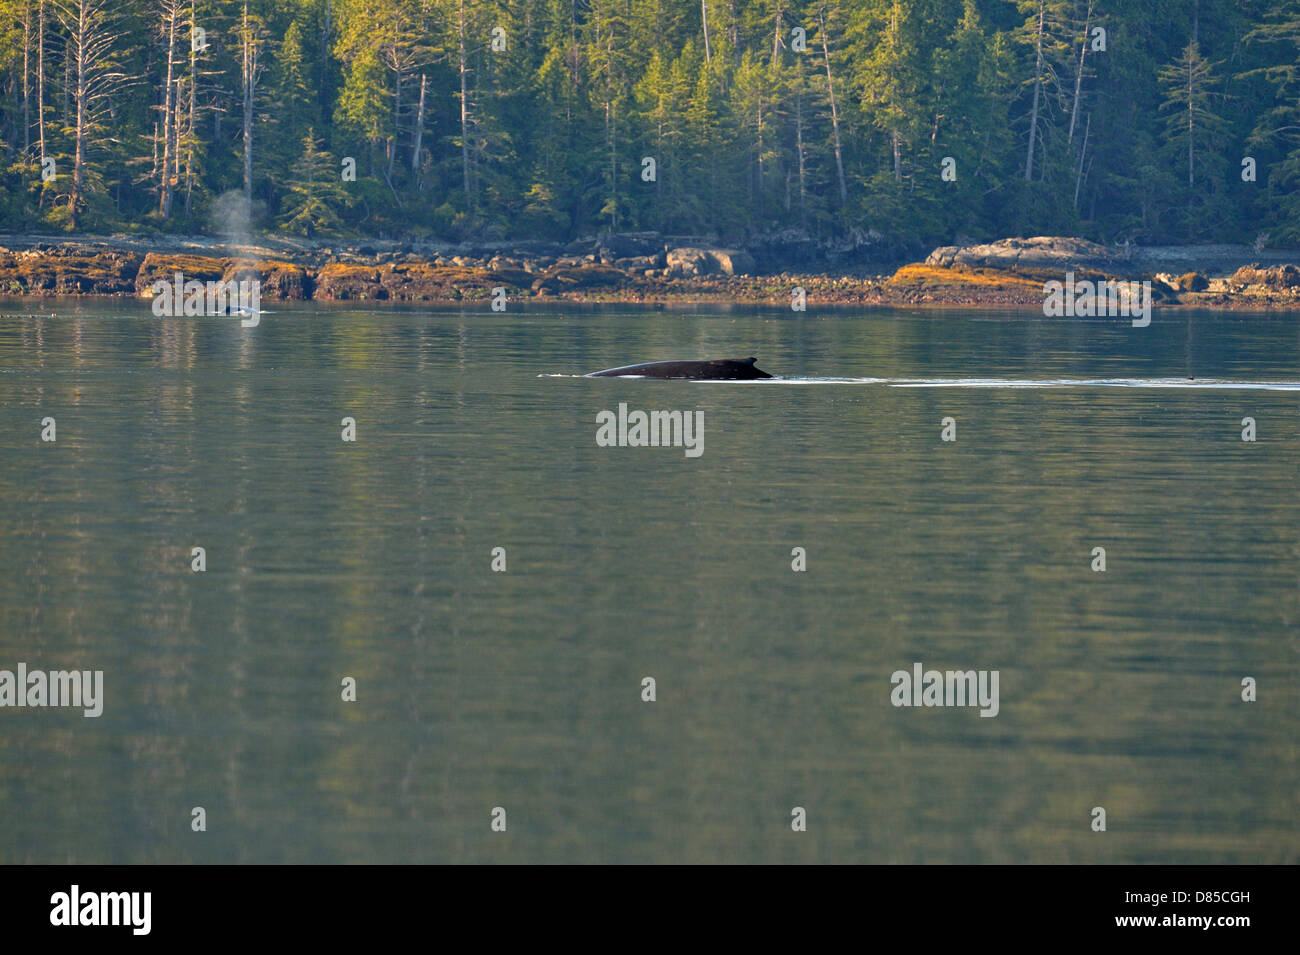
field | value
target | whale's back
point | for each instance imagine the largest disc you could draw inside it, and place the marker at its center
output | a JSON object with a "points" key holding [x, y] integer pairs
{"points": [[715, 369]]}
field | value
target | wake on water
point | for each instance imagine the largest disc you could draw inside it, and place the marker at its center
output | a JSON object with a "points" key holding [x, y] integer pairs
{"points": [[1154, 383], [1204, 384]]}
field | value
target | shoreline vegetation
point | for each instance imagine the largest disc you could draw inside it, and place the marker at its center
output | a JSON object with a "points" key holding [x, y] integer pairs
{"points": [[641, 268], [722, 153]]}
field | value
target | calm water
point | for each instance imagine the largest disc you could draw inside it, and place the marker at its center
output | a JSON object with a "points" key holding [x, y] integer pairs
{"points": [[522, 689]]}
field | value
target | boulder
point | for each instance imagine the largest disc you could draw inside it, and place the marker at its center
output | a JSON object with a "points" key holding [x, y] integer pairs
{"points": [[689, 262], [1037, 254], [1273, 277], [636, 263], [575, 279], [732, 261]]}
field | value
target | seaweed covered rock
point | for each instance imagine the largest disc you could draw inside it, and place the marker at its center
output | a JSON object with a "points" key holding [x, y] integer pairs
{"points": [[344, 282], [60, 272], [577, 278], [1274, 277], [164, 268]]}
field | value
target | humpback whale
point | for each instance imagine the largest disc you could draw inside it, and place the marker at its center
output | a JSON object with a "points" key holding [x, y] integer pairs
{"points": [[717, 369]]}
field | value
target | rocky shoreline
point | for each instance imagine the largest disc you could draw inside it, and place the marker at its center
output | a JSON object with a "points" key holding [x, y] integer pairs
{"points": [[643, 269]]}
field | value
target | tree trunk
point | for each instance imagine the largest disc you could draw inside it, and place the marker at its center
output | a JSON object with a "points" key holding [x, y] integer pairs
{"points": [[1191, 177], [67, 89], [397, 120], [169, 104], [1078, 77], [776, 36], [325, 34], [190, 118], [613, 161], [250, 89], [1038, 88], [835, 116], [78, 41], [419, 131], [464, 110], [40, 79], [798, 139], [659, 159], [895, 138], [27, 73], [704, 15], [1083, 151], [760, 155]]}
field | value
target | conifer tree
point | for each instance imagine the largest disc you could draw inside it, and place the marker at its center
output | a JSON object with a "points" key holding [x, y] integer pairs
{"points": [[316, 194]]}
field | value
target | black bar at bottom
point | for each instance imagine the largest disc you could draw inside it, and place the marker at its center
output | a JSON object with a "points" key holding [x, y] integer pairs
{"points": [[300, 904]]}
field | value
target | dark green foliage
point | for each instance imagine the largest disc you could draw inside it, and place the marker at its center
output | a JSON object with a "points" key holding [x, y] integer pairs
{"points": [[1142, 141], [316, 193]]}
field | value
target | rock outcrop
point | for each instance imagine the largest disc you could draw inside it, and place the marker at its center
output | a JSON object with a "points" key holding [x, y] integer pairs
{"points": [[34, 271], [1274, 277], [412, 282], [1036, 255], [564, 279], [1190, 275], [689, 262], [644, 267], [1191, 282]]}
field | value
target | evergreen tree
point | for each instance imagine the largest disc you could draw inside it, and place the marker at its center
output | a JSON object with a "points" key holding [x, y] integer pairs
{"points": [[823, 115], [316, 193], [1278, 126], [1192, 122], [1192, 128]]}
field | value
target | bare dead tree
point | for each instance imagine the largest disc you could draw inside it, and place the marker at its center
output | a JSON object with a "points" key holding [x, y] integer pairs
{"points": [[1038, 88], [40, 78], [465, 120], [252, 37], [93, 33], [704, 15], [171, 13], [27, 74], [1078, 76], [419, 130], [835, 115]]}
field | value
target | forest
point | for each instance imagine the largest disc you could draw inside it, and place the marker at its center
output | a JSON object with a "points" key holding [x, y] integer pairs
{"points": [[1160, 121]]}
